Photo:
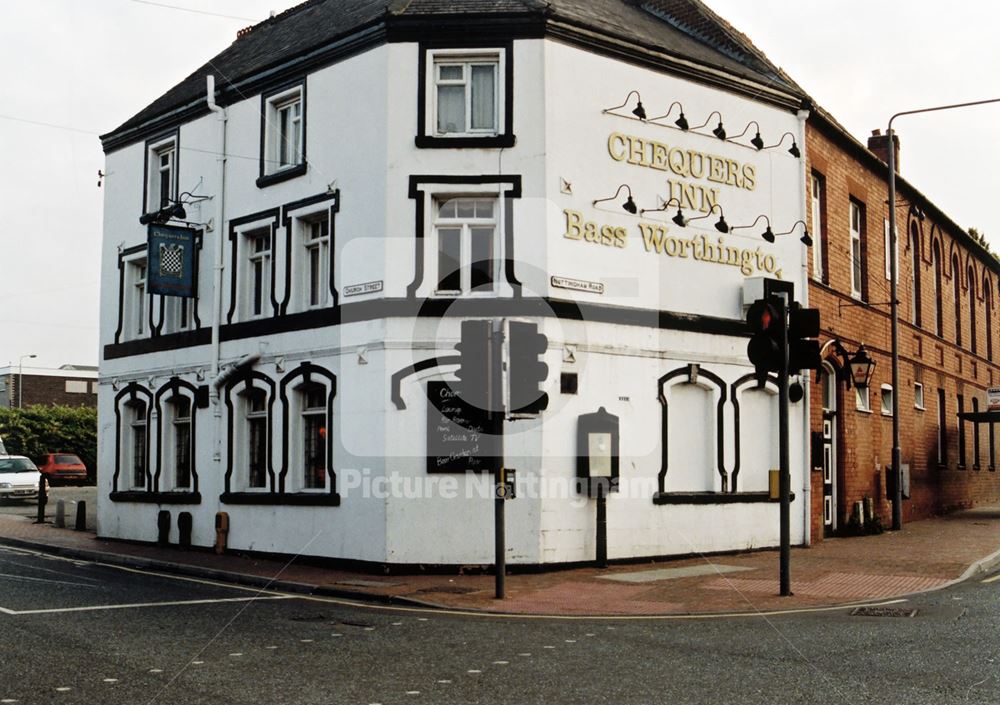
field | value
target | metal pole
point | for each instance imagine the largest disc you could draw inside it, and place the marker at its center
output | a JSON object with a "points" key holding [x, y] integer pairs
{"points": [[896, 471], [784, 469], [493, 394], [602, 526], [897, 492]]}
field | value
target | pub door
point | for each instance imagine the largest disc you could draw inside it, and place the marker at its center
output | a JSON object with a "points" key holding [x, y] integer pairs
{"points": [[829, 380]]}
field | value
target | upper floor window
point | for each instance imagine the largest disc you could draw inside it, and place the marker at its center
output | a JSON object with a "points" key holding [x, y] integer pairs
{"points": [[857, 250], [956, 280], [936, 281], [136, 300], [915, 275], [283, 142], [466, 231], [317, 251], [259, 272], [817, 203], [973, 337], [988, 316], [161, 178], [465, 97]]}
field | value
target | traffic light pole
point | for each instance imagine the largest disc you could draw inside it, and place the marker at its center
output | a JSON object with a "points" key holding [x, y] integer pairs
{"points": [[494, 399], [784, 469]]}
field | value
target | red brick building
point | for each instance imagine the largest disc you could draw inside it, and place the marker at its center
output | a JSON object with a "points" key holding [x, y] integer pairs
{"points": [[948, 285], [70, 385]]}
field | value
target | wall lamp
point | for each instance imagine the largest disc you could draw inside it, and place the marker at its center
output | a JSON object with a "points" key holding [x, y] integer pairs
{"points": [[793, 150], [768, 234], [628, 205], [681, 122], [639, 111], [719, 131], [756, 141], [806, 239], [857, 368], [721, 225], [679, 218]]}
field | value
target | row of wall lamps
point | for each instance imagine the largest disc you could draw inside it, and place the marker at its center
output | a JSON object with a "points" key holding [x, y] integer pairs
{"points": [[681, 123], [721, 225]]}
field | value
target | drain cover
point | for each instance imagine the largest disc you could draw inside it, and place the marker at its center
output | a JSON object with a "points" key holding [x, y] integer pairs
{"points": [[882, 612]]}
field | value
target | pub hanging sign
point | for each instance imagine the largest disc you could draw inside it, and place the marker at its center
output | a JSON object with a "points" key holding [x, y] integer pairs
{"points": [[171, 261]]}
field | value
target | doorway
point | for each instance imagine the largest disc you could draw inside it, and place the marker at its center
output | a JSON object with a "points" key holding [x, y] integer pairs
{"points": [[828, 378]]}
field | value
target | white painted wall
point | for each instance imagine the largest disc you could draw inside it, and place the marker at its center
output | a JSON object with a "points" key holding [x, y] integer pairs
{"points": [[361, 117]]}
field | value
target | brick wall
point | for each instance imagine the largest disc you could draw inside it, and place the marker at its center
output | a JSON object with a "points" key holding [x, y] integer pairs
{"points": [[865, 439], [48, 391]]}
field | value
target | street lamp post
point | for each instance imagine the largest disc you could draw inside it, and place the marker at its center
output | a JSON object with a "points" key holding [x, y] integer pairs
{"points": [[897, 493], [20, 376]]}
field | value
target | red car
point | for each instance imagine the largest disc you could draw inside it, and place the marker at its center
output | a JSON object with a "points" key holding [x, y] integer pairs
{"points": [[63, 467]]}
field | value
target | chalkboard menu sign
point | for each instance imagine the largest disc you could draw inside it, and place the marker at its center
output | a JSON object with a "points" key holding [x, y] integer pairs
{"points": [[460, 438]]}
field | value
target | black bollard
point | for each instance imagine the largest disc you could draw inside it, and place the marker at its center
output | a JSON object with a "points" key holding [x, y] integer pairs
{"points": [[81, 516], [184, 523], [163, 527], [43, 498]]}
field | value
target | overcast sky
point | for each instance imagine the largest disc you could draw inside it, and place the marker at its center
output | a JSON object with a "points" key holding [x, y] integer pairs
{"points": [[91, 64]]}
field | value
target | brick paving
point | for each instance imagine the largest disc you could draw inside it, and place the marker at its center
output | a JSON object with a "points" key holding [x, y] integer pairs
{"points": [[926, 555]]}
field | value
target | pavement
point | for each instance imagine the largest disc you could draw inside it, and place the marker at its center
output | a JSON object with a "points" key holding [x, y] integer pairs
{"points": [[926, 555]]}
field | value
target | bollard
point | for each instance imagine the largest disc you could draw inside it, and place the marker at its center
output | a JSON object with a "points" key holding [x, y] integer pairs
{"points": [[163, 528], [81, 516], [43, 497], [221, 532], [184, 523], [61, 514]]}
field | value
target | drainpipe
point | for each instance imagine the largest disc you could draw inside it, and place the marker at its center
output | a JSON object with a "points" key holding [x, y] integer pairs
{"points": [[220, 222], [803, 115]]}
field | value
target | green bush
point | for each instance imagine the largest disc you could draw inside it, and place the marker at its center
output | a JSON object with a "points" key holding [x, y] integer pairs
{"points": [[36, 430]]}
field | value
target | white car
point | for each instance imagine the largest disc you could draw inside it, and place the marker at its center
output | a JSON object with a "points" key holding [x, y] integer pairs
{"points": [[19, 478]]}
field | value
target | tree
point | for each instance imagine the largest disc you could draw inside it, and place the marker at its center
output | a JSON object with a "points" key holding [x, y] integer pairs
{"points": [[36, 430]]}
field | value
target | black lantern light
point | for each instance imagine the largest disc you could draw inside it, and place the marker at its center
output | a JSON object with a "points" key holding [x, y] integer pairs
{"points": [[862, 367]]}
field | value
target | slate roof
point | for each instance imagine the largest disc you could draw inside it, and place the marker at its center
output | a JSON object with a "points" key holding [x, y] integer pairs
{"points": [[682, 28]]}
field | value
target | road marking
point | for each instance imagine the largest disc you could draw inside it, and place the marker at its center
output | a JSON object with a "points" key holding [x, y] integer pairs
{"points": [[11, 576], [525, 655], [7, 701], [501, 663], [236, 655], [197, 663], [110, 680], [993, 579], [413, 692], [63, 690], [156, 670], [75, 574], [570, 641], [444, 682], [176, 603], [271, 648], [474, 670]]}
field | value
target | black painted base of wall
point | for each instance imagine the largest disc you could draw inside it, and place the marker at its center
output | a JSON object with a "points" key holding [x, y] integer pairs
{"points": [[702, 498]]}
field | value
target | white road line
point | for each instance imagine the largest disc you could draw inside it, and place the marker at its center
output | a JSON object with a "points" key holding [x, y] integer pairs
{"points": [[993, 579], [110, 680], [176, 603], [444, 682], [11, 576], [57, 572]]}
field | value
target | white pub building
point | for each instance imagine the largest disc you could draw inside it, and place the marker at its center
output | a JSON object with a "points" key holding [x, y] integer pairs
{"points": [[340, 188]]}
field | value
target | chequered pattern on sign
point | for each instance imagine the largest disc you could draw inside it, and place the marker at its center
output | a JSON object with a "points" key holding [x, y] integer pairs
{"points": [[171, 261]]}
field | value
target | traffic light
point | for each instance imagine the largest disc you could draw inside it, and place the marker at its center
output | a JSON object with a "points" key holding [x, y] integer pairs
{"points": [[525, 371], [766, 319], [803, 349], [475, 369]]}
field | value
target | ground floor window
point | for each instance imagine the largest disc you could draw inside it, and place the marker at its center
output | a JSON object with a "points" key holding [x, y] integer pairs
{"points": [[314, 437], [257, 445], [181, 427], [137, 444]]}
